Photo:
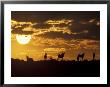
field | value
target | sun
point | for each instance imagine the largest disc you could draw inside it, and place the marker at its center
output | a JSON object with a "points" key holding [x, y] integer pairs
{"points": [[23, 39]]}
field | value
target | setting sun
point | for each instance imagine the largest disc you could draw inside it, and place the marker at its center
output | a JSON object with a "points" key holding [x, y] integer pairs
{"points": [[23, 39]]}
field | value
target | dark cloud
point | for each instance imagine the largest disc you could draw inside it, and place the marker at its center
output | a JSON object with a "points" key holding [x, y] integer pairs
{"points": [[18, 26], [92, 28], [20, 31], [41, 26], [41, 16], [54, 35], [83, 21]]}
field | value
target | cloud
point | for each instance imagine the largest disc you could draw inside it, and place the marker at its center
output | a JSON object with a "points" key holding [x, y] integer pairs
{"points": [[55, 22], [16, 23], [54, 50], [27, 27], [22, 27], [52, 29], [84, 44], [46, 42], [19, 31], [91, 20], [68, 31], [75, 44]]}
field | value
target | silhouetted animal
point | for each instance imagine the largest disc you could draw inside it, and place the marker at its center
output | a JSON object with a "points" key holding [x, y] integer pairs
{"points": [[29, 59], [52, 59], [80, 56], [93, 56], [61, 56], [45, 56]]}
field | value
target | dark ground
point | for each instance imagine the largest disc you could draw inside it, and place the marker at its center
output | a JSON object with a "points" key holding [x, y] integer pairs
{"points": [[54, 68]]}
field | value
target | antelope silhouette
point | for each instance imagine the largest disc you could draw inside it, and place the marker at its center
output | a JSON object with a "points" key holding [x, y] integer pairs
{"points": [[45, 56], [60, 56], [29, 59], [80, 56], [93, 56]]}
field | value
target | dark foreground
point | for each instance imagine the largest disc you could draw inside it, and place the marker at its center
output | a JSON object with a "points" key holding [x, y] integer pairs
{"points": [[53, 68]]}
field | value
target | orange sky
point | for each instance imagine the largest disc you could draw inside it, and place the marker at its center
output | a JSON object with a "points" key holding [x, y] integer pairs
{"points": [[55, 39]]}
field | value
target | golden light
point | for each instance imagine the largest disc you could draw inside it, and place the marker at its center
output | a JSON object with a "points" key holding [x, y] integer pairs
{"points": [[55, 22], [23, 39]]}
